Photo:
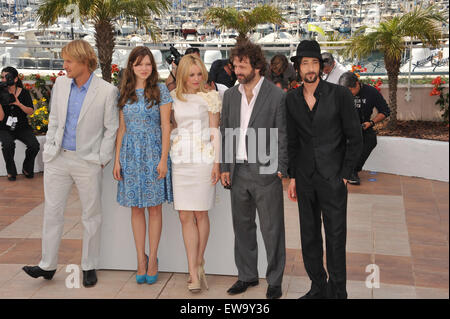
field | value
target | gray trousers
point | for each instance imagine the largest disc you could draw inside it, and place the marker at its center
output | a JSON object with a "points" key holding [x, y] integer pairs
{"points": [[252, 191]]}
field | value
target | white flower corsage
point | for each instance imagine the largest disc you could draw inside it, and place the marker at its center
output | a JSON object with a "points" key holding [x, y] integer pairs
{"points": [[214, 101]]}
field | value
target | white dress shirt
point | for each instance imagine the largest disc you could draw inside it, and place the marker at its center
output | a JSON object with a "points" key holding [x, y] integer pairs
{"points": [[335, 74], [221, 89], [246, 112]]}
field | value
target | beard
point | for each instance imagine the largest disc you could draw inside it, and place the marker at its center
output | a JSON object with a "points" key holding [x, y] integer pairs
{"points": [[306, 79], [248, 78]]}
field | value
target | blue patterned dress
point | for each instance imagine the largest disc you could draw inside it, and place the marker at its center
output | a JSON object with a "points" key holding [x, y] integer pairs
{"points": [[140, 154]]}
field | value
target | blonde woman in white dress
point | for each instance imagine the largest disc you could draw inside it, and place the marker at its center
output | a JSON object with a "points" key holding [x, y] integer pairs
{"points": [[195, 160]]}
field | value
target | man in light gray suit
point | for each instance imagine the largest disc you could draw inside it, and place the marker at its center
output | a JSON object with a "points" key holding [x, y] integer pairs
{"points": [[80, 141], [253, 114]]}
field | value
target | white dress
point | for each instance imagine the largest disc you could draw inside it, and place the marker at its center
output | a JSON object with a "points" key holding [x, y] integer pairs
{"points": [[192, 152]]}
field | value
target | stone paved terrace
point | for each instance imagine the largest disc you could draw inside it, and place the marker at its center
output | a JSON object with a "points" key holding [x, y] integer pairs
{"points": [[398, 223]]}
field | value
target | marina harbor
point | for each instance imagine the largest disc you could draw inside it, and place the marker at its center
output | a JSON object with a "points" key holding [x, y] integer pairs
{"points": [[29, 47]]}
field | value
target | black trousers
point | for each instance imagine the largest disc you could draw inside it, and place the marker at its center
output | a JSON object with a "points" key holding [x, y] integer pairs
{"points": [[369, 143], [320, 198], [7, 139]]}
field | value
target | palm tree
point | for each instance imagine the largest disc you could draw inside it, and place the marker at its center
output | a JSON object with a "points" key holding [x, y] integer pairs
{"points": [[103, 13], [390, 39], [243, 21]]}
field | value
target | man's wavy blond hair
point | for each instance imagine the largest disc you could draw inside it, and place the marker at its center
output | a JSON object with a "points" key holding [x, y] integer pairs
{"points": [[81, 51]]}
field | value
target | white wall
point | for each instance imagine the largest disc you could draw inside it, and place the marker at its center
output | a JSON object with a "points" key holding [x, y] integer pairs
{"points": [[118, 249], [410, 157], [19, 156], [421, 107]]}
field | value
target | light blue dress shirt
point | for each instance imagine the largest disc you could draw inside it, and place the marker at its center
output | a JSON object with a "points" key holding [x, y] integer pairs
{"points": [[76, 99]]}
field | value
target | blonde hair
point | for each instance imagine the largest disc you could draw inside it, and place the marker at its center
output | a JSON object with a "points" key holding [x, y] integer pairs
{"points": [[183, 70], [81, 51]]}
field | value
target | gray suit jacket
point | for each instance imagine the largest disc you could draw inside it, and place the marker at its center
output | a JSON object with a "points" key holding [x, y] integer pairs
{"points": [[97, 123], [267, 118]]}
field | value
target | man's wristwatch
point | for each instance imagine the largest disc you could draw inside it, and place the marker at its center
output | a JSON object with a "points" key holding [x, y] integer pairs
{"points": [[372, 123]]}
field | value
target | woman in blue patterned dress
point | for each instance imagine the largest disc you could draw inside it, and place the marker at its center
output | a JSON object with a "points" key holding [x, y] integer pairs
{"points": [[142, 164]]}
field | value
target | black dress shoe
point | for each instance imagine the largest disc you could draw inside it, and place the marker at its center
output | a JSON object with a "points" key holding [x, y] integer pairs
{"points": [[273, 292], [317, 294], [31, 175], [89, 278], [241, 286], [11, 178], [36, 272], [354, 179]]}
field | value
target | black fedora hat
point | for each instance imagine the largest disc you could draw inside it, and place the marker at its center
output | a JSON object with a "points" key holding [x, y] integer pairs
{"points": [[308, 48]]}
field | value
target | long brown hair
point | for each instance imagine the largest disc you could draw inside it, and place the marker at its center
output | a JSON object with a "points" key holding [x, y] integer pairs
{"points": [[128, 82]]}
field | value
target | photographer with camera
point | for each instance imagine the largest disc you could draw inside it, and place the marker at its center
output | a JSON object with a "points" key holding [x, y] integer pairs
{"points": [[282, 73], [15, 105], [222, 72], [173, 60], [366, 98]]}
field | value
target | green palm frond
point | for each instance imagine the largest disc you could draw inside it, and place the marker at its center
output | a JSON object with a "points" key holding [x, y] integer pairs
{"points": [[243, 21], [50, 10], [224, 17], [103, 13], [265, 14], [104, 10], [390, 38], [421, 24], [143, 11], [362, 45]]}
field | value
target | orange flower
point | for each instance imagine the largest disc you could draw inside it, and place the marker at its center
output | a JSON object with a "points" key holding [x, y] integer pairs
{"points": [[114, 68], [38, 76], [437, 80], [435, 91]]}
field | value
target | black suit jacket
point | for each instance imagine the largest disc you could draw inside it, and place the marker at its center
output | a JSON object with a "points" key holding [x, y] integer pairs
{"points": [[335, 132]]}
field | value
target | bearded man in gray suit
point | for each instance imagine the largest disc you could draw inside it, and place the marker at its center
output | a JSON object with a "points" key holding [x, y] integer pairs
{"points": [[253, 116]]}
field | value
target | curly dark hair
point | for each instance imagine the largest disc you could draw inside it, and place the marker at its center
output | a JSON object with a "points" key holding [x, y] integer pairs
{"points": [[253, 52]]}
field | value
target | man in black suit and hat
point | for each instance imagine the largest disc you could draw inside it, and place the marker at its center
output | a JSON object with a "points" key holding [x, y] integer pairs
{"points": [[324, 145]]}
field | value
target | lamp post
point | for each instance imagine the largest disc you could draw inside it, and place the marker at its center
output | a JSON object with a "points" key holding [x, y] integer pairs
{"points": [[310, 18], [360, 12]]}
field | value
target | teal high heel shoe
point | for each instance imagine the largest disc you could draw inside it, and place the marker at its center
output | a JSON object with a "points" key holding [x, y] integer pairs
{"points": [[140, 279], [152, 279]]}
